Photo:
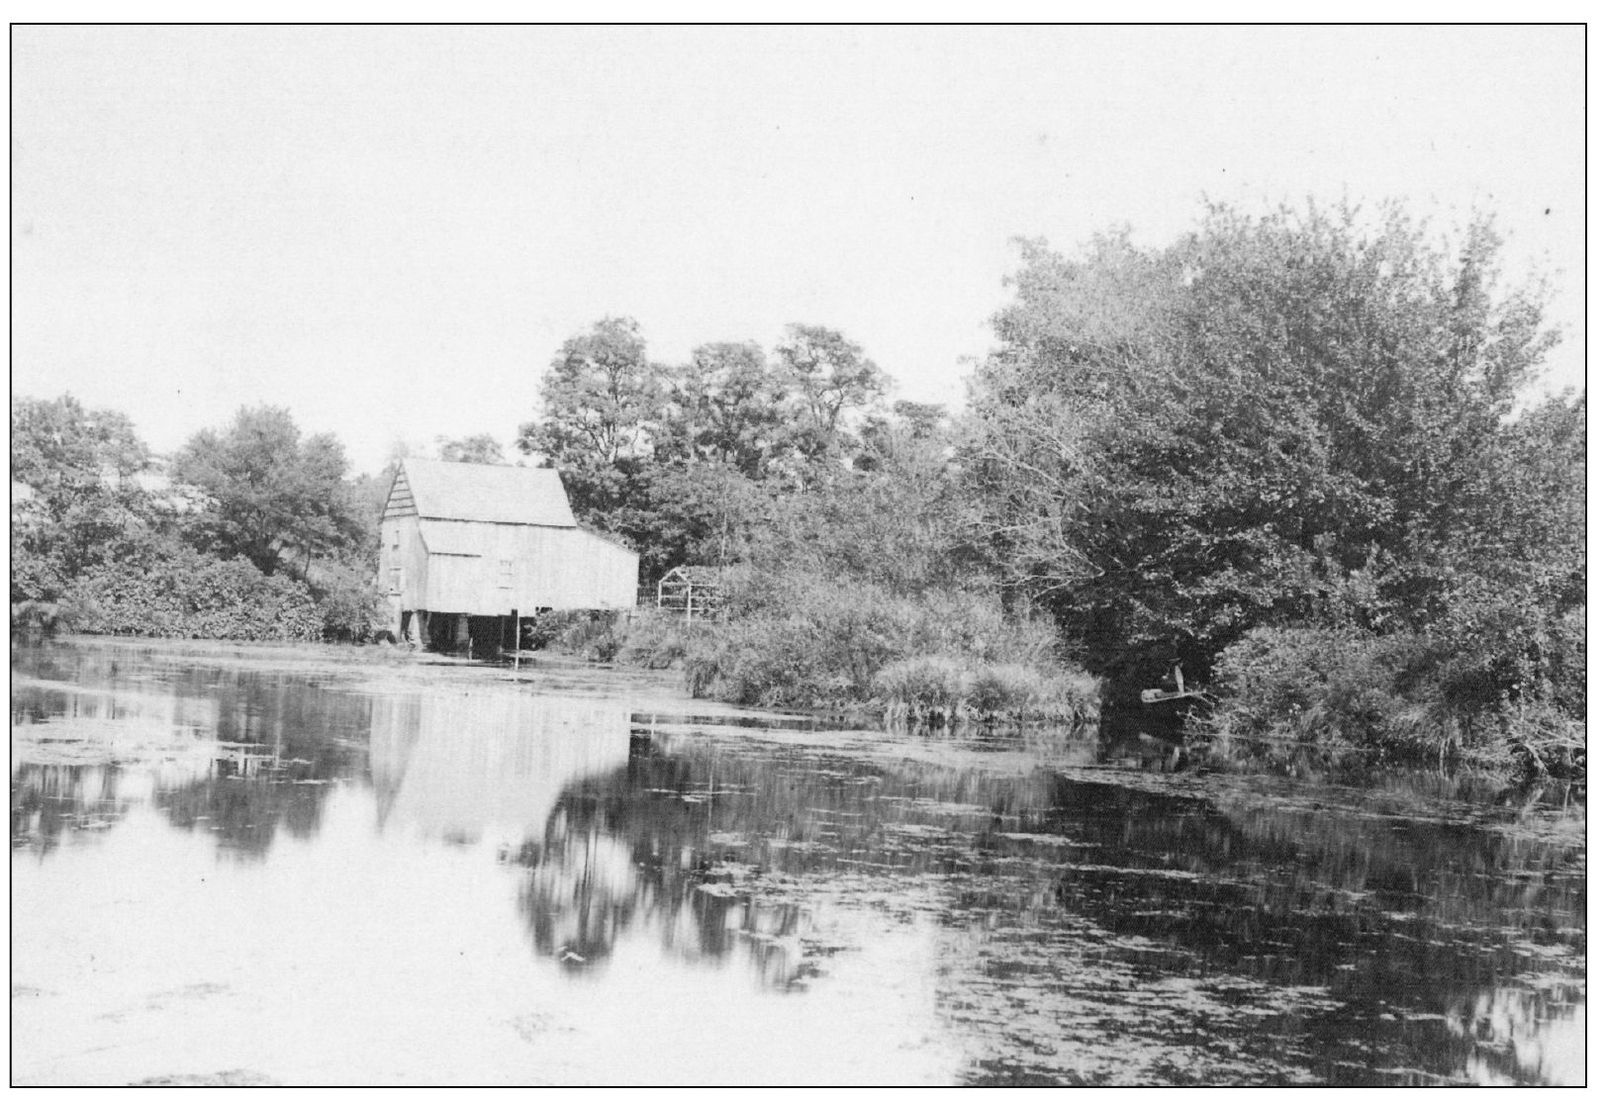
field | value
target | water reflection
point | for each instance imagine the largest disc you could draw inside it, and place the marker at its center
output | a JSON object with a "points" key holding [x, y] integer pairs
{"points": [[467, 768], [1066, 912], [237, 752], [1139, 935]]}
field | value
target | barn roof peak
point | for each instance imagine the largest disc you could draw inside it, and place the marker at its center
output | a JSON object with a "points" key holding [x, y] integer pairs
{"points": [[485, 494]]}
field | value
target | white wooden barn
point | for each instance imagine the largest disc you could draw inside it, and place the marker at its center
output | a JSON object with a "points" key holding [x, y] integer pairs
{"points": [[461, 542]]}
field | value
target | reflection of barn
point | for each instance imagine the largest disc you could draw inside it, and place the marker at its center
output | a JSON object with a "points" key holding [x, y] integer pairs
{"points": [[464, 548], [611, 834], [474, 767]]}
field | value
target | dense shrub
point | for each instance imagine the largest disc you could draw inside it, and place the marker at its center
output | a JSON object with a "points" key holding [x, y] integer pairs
{"points": [[595, 636], [800, 640], [349, 604], [181, 593], [800, 643], [1026, 691], [542, 628], [658, 641], [1280, 688], [592, 635], [1413, 695], [46, 616]]}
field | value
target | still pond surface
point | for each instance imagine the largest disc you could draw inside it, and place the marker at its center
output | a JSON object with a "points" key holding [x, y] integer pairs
{"points": [[281, 865]]}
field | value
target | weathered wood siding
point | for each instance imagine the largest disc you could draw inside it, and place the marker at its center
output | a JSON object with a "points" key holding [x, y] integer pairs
{"points": [[490, 568], [474, 567], [403, 562], [611, 571], [456, 583]]}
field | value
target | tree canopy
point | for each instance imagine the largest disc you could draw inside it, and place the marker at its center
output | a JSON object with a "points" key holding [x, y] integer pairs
{"points": [[727, 407], [268, 493], [682, 460], [81, 502], [830, 376], [481, 448], [601, 400], [1176, 445]]}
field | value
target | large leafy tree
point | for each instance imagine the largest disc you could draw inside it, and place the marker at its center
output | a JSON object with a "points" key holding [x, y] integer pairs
{"points": [[727, 408], [702, 513], [81, 501], [58, 442], [268, 494], [601, 402], [830, 378], [900, 518], [718, 449], [686, 461], [1514, 605], [1272, 420]]}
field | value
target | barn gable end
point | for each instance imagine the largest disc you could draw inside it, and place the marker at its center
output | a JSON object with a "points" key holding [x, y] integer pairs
{"points": [[400, 502]]}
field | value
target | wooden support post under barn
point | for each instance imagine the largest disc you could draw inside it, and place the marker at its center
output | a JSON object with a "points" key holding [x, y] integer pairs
{"points": [[469, 542]]}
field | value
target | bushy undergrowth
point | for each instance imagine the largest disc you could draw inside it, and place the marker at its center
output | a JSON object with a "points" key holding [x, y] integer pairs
{"points": [[826, 643], [185, 594], [348, 604], [659, 641], [592, 635], [594, 638], [1409, 696]]}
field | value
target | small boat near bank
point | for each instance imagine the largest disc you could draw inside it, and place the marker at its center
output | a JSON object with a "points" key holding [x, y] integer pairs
{"points": [[1161, 695]]}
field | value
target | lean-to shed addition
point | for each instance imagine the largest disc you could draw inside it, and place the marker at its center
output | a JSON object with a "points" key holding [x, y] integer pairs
{"points": [[464, 540]]}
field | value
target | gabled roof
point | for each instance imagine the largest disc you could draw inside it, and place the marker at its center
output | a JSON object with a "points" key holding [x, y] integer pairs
{"points": [[484, 494], [698, 574]]}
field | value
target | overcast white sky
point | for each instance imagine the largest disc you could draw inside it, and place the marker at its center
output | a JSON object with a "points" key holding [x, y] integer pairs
{"points": [[391, 230]]}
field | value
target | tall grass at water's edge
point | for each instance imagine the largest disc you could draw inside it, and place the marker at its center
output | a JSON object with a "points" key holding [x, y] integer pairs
{"points": [[941, 690], [937, 658]]}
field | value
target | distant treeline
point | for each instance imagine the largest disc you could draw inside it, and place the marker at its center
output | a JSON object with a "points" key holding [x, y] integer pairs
{"points": [[253, 532], [1294, 454]]}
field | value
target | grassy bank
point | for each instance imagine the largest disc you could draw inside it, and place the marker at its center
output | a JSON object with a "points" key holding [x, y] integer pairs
{"points": [[825, 644]]}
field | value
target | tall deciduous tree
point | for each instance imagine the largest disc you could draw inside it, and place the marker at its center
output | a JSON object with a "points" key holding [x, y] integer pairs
{"points": [[270, 495], [728, 408], [59, 442], [601, 400], [830, 378], [900, 518], [1176, 445], [702, 513], [81, 502]]}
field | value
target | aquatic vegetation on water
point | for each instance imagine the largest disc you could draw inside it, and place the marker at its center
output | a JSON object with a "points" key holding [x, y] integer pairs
{"points": [[486, 880]]}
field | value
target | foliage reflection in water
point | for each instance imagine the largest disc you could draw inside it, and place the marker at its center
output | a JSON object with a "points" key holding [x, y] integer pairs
{"points": [[533, 873]]}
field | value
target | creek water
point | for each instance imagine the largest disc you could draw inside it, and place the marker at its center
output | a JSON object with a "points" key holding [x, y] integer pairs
{"points": [[238, 865]]}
